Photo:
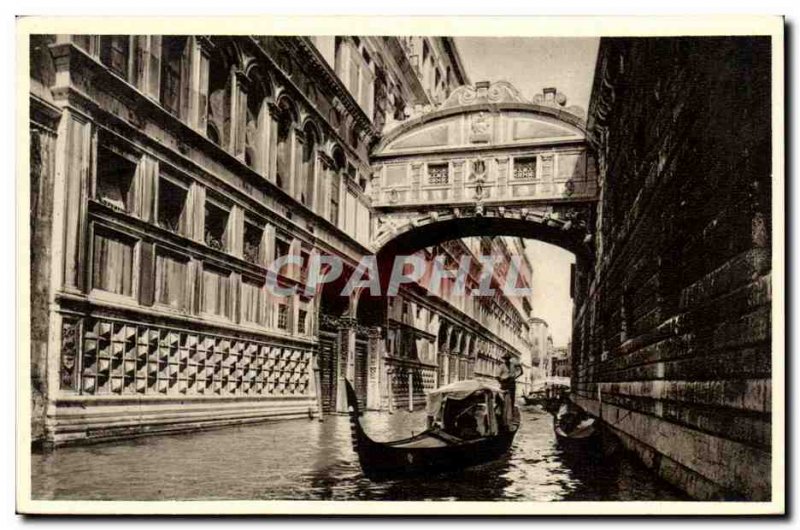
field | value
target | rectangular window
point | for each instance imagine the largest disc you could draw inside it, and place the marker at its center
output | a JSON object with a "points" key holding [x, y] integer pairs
{"points": [[172, 212], [83, 41], [302, 316], [114, 53], [175, 68], [139, 56], [216, 292], [115, 178], [282, 247], [525, 168], [252, 302], [145, 57], [216, 228], [305, 260], [438, 174], [283, 316], [172, 280], [112, 262], [253, 236]]}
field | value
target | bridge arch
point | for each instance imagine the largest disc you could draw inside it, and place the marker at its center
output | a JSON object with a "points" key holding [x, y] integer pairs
{"points": [[487, 162]]}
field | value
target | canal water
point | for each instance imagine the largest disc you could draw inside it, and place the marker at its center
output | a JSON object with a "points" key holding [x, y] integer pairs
{"points": [[307, 459]]}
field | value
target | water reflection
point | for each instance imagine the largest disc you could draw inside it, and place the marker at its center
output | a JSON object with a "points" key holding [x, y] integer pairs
{"points": [[313, 460]]}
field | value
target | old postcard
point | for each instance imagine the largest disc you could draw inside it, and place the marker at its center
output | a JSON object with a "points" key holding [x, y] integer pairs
{"points": [[500, 266]]}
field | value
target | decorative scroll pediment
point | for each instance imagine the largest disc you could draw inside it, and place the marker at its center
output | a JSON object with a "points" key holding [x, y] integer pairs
{"points": [[499, 92]]}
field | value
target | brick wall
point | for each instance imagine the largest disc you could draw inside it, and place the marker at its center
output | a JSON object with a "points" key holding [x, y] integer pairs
{"points": [[672, 333]]}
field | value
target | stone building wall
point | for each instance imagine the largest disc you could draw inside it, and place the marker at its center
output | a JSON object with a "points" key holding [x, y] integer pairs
{"points": [[167, 172], [671, 342]]}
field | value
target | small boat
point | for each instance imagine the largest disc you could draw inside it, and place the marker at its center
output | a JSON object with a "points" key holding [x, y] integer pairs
{"points": [[534, 398], [467, 426], [547, 394], [572, 425]]}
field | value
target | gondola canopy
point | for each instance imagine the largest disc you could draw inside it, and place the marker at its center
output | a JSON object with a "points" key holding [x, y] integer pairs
{"points": [[458, 391]]}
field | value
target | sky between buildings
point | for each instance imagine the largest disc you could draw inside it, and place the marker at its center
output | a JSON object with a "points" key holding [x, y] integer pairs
{"points": [[531, 64]]}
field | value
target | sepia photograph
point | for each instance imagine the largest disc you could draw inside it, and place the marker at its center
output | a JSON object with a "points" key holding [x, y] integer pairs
{"points": [[528, 268]]}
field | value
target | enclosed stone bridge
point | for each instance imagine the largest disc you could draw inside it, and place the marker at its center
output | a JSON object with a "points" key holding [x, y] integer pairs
{"points": [[485, 162]]}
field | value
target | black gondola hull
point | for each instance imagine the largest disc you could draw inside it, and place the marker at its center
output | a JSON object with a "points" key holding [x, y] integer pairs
{"points": [[379, 459]]}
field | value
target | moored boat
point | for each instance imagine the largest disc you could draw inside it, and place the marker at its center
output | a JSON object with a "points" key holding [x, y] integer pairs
{"points": [[572, 425], [470, 425]]}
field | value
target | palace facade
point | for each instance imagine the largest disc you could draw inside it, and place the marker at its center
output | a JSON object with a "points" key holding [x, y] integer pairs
{"points": [[167, 172]]}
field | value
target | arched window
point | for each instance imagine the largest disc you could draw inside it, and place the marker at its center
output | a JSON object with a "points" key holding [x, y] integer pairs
{"points": [[286, 120], [353, 138], [339, 163], [256, 149], [309, 165], [220, 83], [115, 53]]}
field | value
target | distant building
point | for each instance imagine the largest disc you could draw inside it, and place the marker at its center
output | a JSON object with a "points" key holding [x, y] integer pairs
{"points": [[560, 365]]}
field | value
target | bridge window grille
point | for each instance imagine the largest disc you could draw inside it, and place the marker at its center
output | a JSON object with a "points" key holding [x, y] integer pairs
{"points": [[525, 168], [438, 174]]}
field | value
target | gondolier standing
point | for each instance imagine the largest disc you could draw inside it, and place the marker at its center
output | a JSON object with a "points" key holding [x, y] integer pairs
{"points": [[509, 372]]}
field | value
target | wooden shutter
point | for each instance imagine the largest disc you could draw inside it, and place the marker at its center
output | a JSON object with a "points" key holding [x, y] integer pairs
{"points": [[147, 276]]}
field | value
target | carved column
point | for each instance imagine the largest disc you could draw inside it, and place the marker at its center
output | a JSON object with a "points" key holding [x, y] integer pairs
{"points": [[445, 353], [375, 367]]}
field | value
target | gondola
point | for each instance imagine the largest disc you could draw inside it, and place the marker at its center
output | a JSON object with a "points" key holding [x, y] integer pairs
{"points": [[441, 447], [574, 427]]}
